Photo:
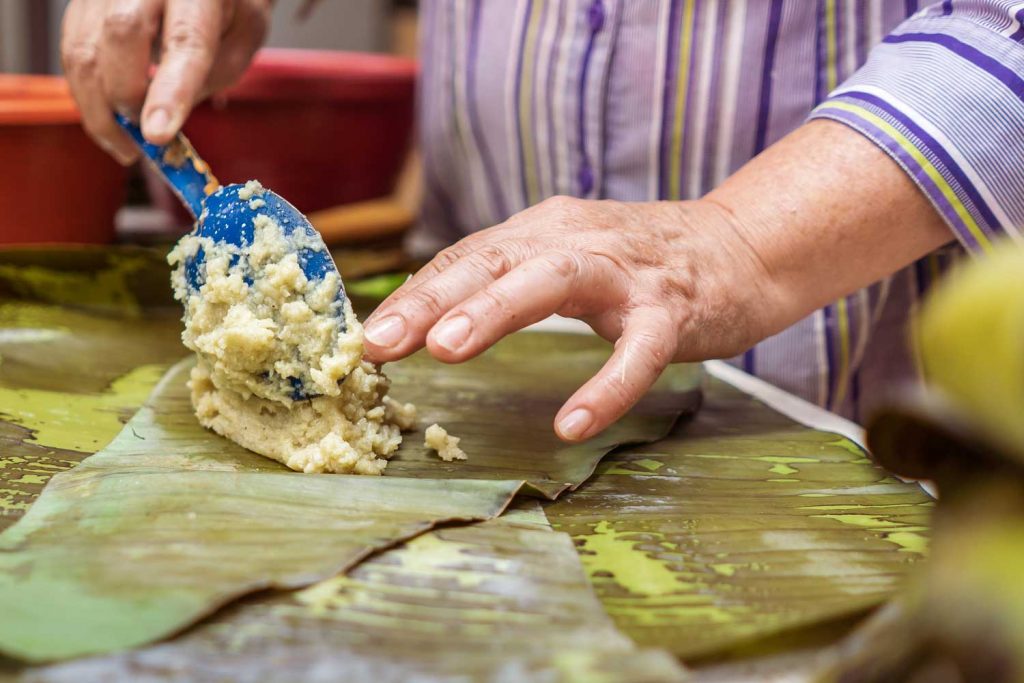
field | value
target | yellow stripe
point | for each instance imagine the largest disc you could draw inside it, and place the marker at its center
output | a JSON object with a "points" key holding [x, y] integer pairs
{"points": [[926, 166], [832, 76], [843, 315], [933, 267], [525, 100], [682, 76]]}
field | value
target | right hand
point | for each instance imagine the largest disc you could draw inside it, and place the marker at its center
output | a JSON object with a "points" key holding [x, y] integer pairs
{"points": [[107, 46]]}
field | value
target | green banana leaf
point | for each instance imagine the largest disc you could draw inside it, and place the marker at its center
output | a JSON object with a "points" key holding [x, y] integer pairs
{"points": [[502, 405], [158, 530], [502, 600], [88, 569], [963, 618], [84, 337], [150, 564], [741, 525], [721, 489], [121, 280]]}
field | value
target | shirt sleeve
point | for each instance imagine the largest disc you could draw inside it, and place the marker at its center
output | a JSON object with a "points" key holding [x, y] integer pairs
{"points": [[943, 95]]}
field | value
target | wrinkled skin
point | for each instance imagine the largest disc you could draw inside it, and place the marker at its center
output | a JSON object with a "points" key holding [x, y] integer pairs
{"points": [[107, 45], [665, 281]]}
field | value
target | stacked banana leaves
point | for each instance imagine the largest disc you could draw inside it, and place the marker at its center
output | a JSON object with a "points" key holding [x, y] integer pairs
{"points": [[505, 600], [739, 526], [169, 522]]}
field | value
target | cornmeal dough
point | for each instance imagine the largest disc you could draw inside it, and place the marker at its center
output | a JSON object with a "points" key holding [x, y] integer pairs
{"points": [[280, 367], [446, 445]]}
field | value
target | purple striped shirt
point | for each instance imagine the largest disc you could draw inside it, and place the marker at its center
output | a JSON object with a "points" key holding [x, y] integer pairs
{"points": [[639, 100]]}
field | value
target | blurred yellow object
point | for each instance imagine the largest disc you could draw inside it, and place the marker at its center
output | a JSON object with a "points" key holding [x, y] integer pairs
{"points": [[971, 339]]}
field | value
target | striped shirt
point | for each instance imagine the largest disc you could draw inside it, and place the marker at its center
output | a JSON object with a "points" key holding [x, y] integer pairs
{"points": [[639, 100]]}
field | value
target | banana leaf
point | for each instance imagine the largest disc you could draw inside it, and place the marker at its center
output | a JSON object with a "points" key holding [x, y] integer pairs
{"points": [[158, 530], [112, 556], [502, 405], [122, 280], [503, 600], [963, 618], [84, 337], [741, 525]]}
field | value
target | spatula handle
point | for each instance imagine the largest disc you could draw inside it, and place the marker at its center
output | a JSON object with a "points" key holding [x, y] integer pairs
{"points": [[186, 173]]}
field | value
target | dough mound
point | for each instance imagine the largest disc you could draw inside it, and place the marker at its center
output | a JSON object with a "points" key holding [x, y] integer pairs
{"points": [[325, 434], [261, 329], [446, 445]]}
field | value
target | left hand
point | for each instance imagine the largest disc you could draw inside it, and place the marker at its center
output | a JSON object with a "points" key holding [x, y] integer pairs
{"points": [[666, 281]]}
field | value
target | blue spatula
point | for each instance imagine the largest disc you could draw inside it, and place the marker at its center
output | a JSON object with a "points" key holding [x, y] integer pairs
{"points": [[223, 216]]}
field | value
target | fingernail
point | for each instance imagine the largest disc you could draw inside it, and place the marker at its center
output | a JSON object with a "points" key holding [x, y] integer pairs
{"points": [[385, 332], [453, 333], [574, 425], [158, 122]]}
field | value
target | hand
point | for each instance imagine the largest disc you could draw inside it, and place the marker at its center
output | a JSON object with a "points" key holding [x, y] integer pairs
{"points": [[204, 45], [808, 220], [665, 281]]}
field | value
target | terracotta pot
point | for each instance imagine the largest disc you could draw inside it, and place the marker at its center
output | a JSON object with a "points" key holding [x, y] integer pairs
{"points": [[55, 184], [319, 128]]}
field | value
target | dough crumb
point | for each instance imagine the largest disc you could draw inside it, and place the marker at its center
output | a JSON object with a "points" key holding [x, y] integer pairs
{"points": [[446, 445], [252, 188]]}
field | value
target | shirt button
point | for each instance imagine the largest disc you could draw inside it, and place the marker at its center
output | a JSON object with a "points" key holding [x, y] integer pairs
{"points": [[586, 178], [595, 15]]}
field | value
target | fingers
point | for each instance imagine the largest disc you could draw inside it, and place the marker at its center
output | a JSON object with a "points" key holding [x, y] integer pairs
{"points": [[191, 34], [646, 347], [545, 215], [107, 46], [540, 287], [80, 52], [399, 327], [126, 43]]}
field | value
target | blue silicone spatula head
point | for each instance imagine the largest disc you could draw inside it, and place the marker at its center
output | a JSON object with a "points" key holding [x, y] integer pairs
{"points": [[223, 216]]}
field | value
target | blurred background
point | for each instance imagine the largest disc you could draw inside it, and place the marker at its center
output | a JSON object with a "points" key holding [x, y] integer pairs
{"points": [[30, 30], [329, 103]]}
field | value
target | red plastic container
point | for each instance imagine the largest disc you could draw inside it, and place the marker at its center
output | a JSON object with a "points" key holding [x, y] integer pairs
{"points": [[55, 184], [319, 128]]}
